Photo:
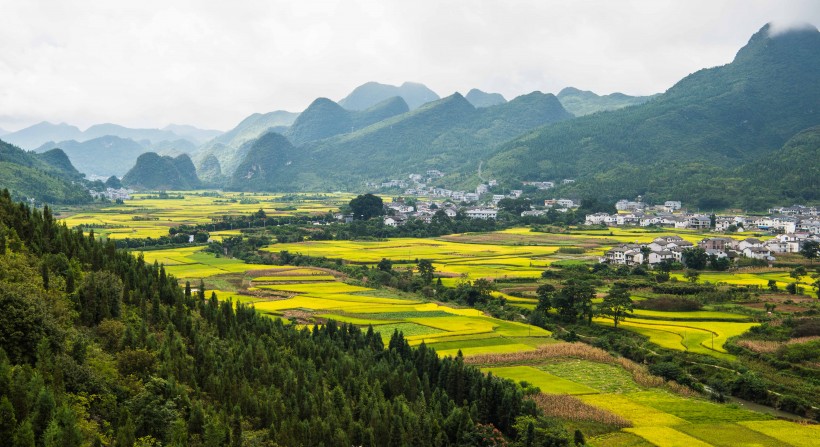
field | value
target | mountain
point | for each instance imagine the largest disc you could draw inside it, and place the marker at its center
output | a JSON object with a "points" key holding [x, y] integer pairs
{"points": [[108, 129], [253, 127], [368, 95], [194, 134], [582, 102], [45, 177], [445, 134], [58, 160], [153, 171], [705, 126], [210, 170], [226, 146], [4, 132], [103, 156], [482, 99], [34, 136], [173, 148], [324, 118], [267, 163], [795, 166]]}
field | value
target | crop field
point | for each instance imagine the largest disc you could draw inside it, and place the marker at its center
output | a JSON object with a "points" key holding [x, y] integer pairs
{"points": [[192, 262], [144, 217], [743, 278], [547, 382], [704, 337]]}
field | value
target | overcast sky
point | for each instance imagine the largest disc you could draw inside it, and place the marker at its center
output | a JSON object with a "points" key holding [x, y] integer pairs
{"points": [[210, 63]]}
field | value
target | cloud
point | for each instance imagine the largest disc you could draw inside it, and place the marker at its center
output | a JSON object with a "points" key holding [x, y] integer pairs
{"points": [[211, 63]]}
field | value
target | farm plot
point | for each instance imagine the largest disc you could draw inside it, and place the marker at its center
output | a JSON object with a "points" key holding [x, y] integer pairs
{"points": [[704, 337], [192, 262], [547, 382]]}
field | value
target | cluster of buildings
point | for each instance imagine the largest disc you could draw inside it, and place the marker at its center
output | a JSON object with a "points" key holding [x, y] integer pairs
{"points": [[808, 222], [398, 212], [112, 194], [672, 248]]}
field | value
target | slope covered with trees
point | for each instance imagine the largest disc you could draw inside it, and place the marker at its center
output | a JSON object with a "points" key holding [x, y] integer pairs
{"points": [[369, 94], [48, 177], [583, 102], [704, 128], [99, 348], [153, 171]]}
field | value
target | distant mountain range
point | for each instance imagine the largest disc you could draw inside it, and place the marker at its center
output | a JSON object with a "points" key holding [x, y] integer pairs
{"points": [[111, 155], [368, 95], [35, 136], [481, 99], [444, 134]]}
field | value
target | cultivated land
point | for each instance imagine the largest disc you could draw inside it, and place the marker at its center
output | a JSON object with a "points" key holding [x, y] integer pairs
{"points": [[593, 390]]}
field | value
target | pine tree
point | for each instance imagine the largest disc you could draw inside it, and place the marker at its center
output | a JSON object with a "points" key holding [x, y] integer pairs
{"points": [[8, 422], [24, 435]]}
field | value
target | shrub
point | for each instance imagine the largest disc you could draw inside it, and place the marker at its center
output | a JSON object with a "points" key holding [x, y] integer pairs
{"points": [[670, 304]]}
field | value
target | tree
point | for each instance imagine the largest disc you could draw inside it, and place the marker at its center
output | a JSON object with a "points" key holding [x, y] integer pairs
{"points": [[616, 304], [366, 206], [798, 272], [100, 297], [695, 258], [772, 285], [691, 275], [385, 265], [810, 250], [545, 292], [426, 270], [574, 300]]}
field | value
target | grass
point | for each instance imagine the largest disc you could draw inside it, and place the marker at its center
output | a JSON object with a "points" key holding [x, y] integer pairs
{"points": [[408, 329]]}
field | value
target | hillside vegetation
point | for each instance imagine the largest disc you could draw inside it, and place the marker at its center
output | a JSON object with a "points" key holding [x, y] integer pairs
{"points": [[47, 177], [696, 142]]}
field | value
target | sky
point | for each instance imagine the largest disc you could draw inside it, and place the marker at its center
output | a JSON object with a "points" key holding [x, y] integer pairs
{"points": [[211, 63]]}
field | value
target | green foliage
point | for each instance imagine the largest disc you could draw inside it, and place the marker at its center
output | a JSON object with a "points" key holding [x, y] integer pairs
{"points": [[366, 206], [616, 304], [29, 175]]}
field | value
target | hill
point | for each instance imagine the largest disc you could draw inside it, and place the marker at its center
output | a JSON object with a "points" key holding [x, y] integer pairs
{"points": [[153, 171], [706, 126], [45, 177], [267, 163], [369, 94], [324, 118], [582, 102], [445, 134], [482, 99]]}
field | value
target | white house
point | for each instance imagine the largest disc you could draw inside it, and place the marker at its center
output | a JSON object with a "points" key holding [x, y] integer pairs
{"points": [[482, 213]]}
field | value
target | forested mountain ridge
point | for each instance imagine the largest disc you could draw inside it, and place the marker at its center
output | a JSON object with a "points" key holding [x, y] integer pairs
{"points": [[444, 134], [706, 126], [39, 134], [171, 366], [47, 177], [483, 99]]}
